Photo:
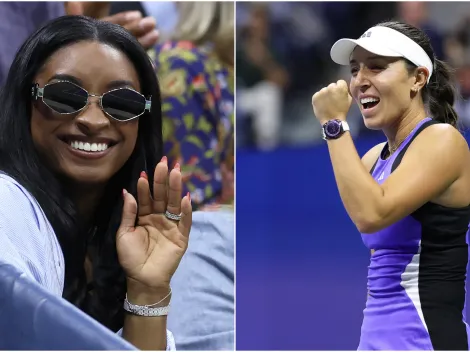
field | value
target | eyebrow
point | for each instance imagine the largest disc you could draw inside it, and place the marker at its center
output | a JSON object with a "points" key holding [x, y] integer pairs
{"points": [[120, 84], [65, 77], [352, 61], [111, 85]]}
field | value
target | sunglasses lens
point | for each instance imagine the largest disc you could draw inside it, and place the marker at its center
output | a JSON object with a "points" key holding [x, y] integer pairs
{"points": [[123, 104], [64, 97]]}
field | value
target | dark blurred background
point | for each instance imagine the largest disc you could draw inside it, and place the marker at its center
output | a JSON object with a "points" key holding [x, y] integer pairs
{"points": [[301, 264]]}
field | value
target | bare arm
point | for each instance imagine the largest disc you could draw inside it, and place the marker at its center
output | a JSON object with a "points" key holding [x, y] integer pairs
{"points": [[437, 150], [150, 247], [146, 333]]}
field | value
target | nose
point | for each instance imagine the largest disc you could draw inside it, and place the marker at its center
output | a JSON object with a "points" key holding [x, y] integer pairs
{"points": [[361, 80], [92, 118]]}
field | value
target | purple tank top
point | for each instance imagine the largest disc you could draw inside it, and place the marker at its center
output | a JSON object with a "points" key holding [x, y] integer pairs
{"points": [[417, 273]]}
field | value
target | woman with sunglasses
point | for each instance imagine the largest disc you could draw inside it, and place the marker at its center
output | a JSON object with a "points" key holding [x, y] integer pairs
{"points": [[409, 196], [87, 207]]}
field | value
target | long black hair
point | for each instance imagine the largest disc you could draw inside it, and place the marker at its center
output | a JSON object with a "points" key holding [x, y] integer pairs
{"points": [[20, 160], [440, 93]]}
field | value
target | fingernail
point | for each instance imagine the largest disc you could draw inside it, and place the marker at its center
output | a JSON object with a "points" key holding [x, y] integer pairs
{"points": [[134, 15], [189, 196], [164, 160], [124, 192], [177, 166], [143, 174]]}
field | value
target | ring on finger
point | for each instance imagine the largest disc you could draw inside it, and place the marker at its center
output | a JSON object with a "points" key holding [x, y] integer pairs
{"points": [[171, 216]]}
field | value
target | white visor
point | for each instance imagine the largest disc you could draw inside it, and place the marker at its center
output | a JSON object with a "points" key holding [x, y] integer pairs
{"points": [[382, 41]]}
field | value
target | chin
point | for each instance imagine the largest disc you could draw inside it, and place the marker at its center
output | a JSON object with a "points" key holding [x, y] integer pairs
{"points": [[87, 176], [373, 122]]}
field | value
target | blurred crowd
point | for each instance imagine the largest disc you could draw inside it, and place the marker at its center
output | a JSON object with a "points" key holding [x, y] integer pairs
{"points": [[283, 59]]}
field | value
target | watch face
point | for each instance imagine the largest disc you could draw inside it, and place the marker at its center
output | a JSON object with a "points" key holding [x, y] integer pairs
{"points": [[332, 128]]}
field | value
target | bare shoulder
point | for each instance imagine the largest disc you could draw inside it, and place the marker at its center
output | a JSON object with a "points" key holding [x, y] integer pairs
{"points": [[443, 156], [369, 158], [442, 153], [441, 139]]}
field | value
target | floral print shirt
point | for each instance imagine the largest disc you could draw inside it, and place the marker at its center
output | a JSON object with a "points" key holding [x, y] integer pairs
{"points": [[198, 116]]}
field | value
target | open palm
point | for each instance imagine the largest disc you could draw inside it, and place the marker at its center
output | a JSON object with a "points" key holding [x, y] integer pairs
{"points": [[151, 251]]}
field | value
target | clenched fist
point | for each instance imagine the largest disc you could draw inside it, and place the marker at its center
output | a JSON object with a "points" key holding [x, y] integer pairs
{"points": [[332, 102]]}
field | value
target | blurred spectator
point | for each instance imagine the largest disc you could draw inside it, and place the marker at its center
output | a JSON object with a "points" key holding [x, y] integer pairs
{"points": [[18, 20], [416, 13], [462, 105], [457, 47], [261, 77], [165, 13], [300, 37], [458, 44], [143, 28], [195, 70]]}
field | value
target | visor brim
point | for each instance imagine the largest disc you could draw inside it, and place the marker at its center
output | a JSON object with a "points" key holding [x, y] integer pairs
{"points": [[341, 50]]}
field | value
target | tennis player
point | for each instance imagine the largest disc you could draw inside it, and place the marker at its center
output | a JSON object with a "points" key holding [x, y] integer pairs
{"points": [[409, 197]]}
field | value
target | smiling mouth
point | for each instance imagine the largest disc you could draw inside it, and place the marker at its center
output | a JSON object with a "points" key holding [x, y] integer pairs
{"points": [[87, 146], [369, 103]]}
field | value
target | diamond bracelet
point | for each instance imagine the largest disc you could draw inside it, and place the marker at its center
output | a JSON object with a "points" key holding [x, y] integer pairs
{"points": [[147, 310]]}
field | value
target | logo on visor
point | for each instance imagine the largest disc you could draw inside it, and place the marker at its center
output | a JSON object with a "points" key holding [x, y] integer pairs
{"points": [[366, 34]]}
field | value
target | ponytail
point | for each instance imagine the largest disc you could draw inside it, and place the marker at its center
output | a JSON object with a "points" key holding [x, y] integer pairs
{"points": [[440, 94]]}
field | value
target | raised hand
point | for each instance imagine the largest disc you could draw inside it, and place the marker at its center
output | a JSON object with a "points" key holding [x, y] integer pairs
{"points": [[332, 102], [151, 251], [144, 29]]}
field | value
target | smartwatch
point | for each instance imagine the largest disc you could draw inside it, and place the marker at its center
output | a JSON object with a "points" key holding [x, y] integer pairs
{"points": [[333, 129]]}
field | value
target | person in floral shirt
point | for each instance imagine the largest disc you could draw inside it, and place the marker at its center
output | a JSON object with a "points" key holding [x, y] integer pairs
{"points": [[195, 71], [196, 77]]}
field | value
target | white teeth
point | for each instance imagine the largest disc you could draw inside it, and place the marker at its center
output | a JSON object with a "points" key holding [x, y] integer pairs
{"points": [[89, 147], [369, 100]]}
